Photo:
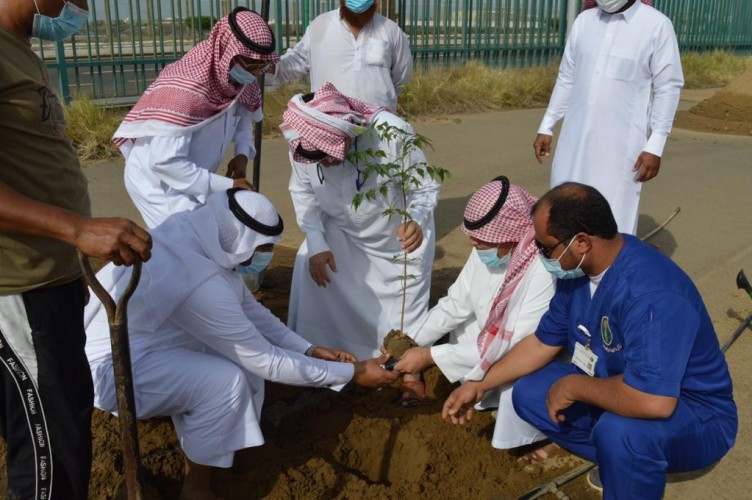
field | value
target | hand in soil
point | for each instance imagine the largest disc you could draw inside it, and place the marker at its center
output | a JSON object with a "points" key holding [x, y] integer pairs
{"points": [[370, 374], [458, 407]]}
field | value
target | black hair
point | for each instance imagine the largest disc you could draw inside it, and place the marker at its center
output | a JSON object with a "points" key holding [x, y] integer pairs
{"points": [[577, 208]]}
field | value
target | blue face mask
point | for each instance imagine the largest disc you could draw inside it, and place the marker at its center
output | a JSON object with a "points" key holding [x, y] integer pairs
{"points": [[358, 6], [553, 266], [70, 20], [490, 257], [241, 76], [259, 262]]}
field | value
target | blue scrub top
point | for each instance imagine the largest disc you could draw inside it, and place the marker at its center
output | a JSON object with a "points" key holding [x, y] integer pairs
{"points": [[648, 321]]}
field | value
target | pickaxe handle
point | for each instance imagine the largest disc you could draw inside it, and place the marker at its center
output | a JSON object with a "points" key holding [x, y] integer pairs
{"points": [[117, 316]]}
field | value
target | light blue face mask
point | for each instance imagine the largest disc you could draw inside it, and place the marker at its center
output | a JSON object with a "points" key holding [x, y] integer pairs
{"points": [[358, 6], [259, 262], [241, 76], [553, 266], [490, 257], [70, 20]]}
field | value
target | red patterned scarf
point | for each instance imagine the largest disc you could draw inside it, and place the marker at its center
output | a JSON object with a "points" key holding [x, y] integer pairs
{"points": [[324, 123], [513, 223], [589, 4], [198, 86]]}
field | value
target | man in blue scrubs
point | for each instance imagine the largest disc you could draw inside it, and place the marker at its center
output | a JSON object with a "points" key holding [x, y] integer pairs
{"points": [[647, 390]]}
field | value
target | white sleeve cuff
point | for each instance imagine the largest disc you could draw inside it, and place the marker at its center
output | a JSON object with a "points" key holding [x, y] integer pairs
{"points": [[316, 243], [340, 374], [546, 127], [244, 149], [219, 183], [655, 144]]}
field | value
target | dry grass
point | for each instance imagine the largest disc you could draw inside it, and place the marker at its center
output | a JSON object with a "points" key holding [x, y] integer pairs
{"points": [[473, 88], [91, 128], [712, 69]]}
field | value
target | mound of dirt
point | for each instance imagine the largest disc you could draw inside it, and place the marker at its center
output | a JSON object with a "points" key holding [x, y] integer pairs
{"points": [[727, 112]]}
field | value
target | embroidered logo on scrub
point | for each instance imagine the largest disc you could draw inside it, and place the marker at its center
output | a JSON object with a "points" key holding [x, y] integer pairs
{"points": [[608, 337]]}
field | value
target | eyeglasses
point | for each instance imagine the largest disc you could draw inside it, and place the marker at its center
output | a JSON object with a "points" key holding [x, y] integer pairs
{"points": [[546, 251], [262, 67]]}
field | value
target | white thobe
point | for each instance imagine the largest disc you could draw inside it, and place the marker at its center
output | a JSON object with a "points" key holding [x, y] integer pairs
{"points": [[167, 174], [373, 67], [618, 90], [206, 365], [463, 313], [364, 300]]}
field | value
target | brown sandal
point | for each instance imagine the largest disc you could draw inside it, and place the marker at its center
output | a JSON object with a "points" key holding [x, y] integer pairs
{"points": [[413, 393], [540, 454]]}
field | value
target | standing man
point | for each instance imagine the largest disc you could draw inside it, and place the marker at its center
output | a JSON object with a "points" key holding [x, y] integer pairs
{"points": [[648, 390], [176, 136], [346, 285], [46, 395], [618, 89], [364, 54]]}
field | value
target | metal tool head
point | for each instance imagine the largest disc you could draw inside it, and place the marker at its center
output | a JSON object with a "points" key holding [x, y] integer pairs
{"points": [[743, 283], [389, 363]]}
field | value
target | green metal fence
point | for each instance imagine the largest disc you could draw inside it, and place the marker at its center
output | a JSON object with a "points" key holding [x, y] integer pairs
{"points": [[127, 42], [710, 24]]}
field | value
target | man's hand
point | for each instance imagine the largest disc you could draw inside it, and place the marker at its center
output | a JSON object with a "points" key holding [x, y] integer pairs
{"points": [[333, 355], [243, 184], [415, 360], [542, 147], [369, 373], [112, 239], [459, 405], [317, 266], [236, 167], [559, 398], [646, 166], [410, 235]]}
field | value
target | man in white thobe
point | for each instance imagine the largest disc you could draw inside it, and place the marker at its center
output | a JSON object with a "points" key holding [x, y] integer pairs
{"points": [[503, 284], [177, 135], [618, 90], [347, 285], [201, 346], [364, 54]]}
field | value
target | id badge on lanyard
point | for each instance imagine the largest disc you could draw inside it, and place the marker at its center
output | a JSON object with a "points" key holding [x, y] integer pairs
{"points": [[584, 358]]}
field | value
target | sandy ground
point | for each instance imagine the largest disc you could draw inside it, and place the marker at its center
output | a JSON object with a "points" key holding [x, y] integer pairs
{"points": [[359, 444]]}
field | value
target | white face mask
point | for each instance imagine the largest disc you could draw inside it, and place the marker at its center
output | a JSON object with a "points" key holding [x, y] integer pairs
{"points": [[611, 6]]}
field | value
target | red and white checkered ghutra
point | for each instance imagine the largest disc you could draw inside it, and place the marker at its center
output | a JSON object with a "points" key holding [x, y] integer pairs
{"points": [[589, 4], [325, 122], [198, 86], [514, 224]]}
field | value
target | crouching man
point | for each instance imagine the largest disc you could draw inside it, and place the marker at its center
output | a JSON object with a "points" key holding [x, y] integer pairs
{"points": [[201, 346]]}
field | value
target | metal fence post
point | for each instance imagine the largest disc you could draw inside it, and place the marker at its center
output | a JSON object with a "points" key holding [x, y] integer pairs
{"points": [[62, 71]]}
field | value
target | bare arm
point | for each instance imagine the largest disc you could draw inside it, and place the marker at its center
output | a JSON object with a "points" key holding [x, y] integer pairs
{"points": [[529, 355], [114, 239], [611, 394]]}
